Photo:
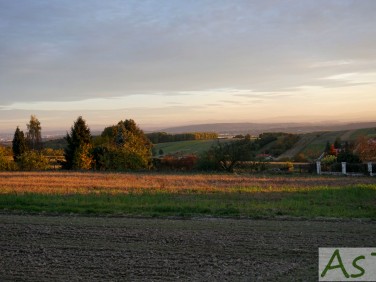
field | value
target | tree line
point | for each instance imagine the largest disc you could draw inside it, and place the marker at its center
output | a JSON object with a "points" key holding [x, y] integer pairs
{"points": [[163, 137], [120, 147], [124, 147]]}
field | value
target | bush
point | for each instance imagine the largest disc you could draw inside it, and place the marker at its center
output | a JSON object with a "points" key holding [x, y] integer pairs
{"points": [[329, 160], [349, 157], [301, 158], [32, 160], [228, 155], [287, 167], [5, 163], [187, 162], [256, 166], [119, 159]]}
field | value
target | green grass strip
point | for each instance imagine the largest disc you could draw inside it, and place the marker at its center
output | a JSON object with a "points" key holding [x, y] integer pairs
{"points": [[350, 202]]}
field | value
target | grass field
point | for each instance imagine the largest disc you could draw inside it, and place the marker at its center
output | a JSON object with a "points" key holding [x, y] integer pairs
{"points": [[188, 194], [187, 147]]}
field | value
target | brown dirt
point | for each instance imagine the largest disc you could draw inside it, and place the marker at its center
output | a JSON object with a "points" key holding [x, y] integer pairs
{"points": [[77, 248]]}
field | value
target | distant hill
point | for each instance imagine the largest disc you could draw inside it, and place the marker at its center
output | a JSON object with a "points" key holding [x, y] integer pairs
{"points": [[258, 128], [311, 145]]}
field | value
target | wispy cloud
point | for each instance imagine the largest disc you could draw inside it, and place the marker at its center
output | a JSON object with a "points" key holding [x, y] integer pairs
{"points": [[354, 78], [325, 64]]}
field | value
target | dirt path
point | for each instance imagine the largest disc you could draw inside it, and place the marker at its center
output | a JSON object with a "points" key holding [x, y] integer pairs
{"points": [[74, 248]]}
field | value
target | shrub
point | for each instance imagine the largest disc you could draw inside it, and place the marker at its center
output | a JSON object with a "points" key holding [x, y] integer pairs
{"points": [[187, 162], [301, 158], [5, 162], [288, 166], [32, 160], [329, 159], [107, 157]]}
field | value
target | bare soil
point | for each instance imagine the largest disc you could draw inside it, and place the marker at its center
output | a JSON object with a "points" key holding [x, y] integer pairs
{"points": [[78, 248]]}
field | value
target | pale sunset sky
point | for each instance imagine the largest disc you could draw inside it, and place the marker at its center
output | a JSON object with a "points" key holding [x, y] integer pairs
{"points": [[176, 62]]}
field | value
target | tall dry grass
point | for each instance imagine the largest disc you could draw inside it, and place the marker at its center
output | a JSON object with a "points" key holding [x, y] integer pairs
{"points": [[114, 183]]}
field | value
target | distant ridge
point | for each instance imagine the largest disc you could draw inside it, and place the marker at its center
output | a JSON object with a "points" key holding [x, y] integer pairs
{"points": [[258, 128]]}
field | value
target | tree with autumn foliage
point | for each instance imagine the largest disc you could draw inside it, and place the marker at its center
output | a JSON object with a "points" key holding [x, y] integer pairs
{"points": [[333, 150], [124, 147], [366, 149], [34, 134]]}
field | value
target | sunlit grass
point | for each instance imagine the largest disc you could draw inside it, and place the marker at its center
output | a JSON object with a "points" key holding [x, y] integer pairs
{"points": [[188, 194]]}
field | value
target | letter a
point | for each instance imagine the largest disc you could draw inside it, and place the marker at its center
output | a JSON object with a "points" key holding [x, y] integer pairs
{"points": [[329, 266]]}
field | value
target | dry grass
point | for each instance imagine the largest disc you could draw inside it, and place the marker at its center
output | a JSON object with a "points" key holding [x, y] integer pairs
{"points": [[60, 183], [156, 194]]}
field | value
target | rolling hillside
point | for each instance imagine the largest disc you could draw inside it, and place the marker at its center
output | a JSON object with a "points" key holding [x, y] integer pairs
{"points": [[258, 128], [310, 144]]}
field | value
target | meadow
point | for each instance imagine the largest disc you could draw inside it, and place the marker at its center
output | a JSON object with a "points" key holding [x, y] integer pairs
{"points": [[186, 147], [188, 195]]}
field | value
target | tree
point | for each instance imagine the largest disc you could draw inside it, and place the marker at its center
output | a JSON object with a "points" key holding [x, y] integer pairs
{"points": [[34, 134], [333, 150], [366, 149], [121, 135], [338, 143], [77, 153], [18, 144], [327, 147], [126, 147], [227, 156], [348, 156]]}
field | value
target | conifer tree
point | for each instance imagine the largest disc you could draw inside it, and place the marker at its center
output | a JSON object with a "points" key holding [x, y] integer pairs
{"points": [[18, 144], [77, 152]]}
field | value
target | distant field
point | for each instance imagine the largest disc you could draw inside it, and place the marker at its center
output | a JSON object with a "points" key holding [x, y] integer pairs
{"points": [[318, 141], [368, 132], [188, 194], [187, 147]]}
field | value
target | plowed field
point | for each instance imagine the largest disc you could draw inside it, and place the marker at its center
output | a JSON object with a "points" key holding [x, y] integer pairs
{"points": [[79, 248]]}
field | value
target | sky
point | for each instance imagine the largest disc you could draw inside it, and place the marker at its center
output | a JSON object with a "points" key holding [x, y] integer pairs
{"points": [[177, 62]]}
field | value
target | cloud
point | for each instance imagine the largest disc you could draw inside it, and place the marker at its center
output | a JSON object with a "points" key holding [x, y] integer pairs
{"points": [[69, 51], [79, 55], [354, 78]]}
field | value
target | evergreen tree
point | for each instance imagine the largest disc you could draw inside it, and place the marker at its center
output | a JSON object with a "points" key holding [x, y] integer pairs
{"points": [[18, 144], [120, 135], [34, 134], [77, 152], [327, 147], [338, 143]]}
